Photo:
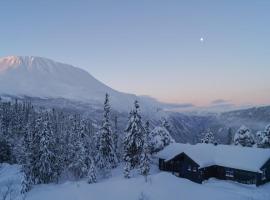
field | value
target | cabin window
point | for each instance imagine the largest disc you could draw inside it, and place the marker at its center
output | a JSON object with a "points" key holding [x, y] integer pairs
{"points": [[263, 174], [194, 169], [189, 168], [229, 173]]}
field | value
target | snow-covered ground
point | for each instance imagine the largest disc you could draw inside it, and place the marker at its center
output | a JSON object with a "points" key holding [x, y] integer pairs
{"points": [[10, 182], [161, 186]]}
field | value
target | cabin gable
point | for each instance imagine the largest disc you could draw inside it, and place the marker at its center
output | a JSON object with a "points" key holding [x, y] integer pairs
{"points": [[264, 177], [183, 166]]}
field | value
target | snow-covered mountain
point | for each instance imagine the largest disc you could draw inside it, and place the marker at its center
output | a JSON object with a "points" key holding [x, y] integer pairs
{"points": [[53, 84], [45, 78]]}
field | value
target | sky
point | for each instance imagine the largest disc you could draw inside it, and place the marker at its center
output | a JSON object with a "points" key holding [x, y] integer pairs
{"points": [[151, 47]]}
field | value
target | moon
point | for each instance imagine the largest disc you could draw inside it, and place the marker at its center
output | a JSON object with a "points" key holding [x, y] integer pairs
{"points": [[201, 39]]}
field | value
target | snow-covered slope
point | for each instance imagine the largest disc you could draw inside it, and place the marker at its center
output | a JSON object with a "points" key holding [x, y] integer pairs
{"points": [[41, 77], [161, 186]]}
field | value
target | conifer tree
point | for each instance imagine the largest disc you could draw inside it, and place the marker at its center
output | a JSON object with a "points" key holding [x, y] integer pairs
{"points": [[145, 156], [46, 158], [25, 184], [230, 136], [77, 163], [127, 169], [263, 138], [166, 125], [243, 137], [133, 141], [92, 173], [208, 138], [116, 138], [107, 158], [159, 139]]}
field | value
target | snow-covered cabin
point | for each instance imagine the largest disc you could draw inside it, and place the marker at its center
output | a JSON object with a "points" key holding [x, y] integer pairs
{"points": [[202, 161]]}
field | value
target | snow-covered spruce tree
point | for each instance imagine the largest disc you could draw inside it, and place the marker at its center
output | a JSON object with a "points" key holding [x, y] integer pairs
{"points": [[208, 138], [5, 150], [92, 178], [16, 128], [60, 149], [87, 142], [107, 158], [77, 165], [230, 136], [45, 163], [145, 155], [30, 148], [28, 161], [38, 144], [160, 138], [243, 137], [116, 139], [25, 183], [166, 125], [133, 140], [263, 138], [127, 169]]}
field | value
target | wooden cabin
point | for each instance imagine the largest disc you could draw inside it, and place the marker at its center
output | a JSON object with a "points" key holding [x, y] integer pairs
{"points": [[203, 161]]}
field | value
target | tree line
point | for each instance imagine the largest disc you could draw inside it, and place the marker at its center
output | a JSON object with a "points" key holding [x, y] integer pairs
{"points": [[242, 137], [51, 145]]}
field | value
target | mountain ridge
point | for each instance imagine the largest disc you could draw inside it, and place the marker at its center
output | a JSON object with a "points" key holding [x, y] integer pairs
{"points": [[43, 77]]}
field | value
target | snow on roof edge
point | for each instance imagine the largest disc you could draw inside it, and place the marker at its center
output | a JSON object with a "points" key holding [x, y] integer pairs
{"points": [[244, 158]]}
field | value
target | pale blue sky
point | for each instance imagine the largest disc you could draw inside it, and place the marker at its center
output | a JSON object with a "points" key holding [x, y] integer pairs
{"points": [[151, 47]]}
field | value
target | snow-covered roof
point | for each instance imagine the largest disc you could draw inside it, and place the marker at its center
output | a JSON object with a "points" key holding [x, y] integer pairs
{"points": [[245, 158]]}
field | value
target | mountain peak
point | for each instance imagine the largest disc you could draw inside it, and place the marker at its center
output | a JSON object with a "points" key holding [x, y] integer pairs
{"points": [[11, 62], [29, 61], [41, 77]]}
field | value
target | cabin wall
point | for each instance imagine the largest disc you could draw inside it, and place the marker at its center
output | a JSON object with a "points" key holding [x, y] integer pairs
{"points": [[190, 170], [225, 173], [260, 179], [209, 172], [182, 166]]}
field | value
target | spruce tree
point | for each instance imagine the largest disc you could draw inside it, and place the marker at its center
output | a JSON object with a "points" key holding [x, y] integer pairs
{"points": [[243, 137], [127, 169], [159, 139], [145, 155], [107, 158], [116, 138], [263, 138], [77, 163], [92, 173], [208, 138], [46, 158], [133, 141], [230, 136], [166, 125], [25, 184]]}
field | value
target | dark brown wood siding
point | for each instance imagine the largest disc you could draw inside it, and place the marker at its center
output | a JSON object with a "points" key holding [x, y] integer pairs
{"points": [[183, 166]]}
